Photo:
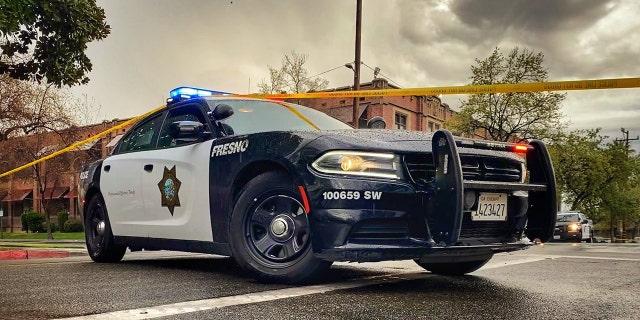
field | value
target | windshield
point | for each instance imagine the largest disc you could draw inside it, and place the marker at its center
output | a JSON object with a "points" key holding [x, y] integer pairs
{"points": [[573, 217], [251, 116]]}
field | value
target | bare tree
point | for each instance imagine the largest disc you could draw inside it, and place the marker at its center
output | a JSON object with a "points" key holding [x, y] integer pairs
{"points": [[292, 76], [27, 108], [40, 119]]}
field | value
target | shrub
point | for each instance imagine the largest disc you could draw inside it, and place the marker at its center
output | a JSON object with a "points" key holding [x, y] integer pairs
{"points": [[63, 216], [73, 225], [33, 221]]}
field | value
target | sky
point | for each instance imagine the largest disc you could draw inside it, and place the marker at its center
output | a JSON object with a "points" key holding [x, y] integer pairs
{"points": [[158, 45]]}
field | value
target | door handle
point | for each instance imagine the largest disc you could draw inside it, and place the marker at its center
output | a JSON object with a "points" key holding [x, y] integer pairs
{"points": [[148, 167], [107, 168]]}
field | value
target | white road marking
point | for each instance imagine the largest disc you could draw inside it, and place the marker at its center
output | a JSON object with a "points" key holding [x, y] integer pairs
{"points": [[208, 304]]}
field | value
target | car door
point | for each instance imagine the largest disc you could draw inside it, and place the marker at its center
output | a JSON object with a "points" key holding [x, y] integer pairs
{"points": [[120, 180], [175, 182]]}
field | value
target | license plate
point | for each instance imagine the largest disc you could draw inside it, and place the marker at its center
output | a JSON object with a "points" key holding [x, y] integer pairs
{"points": [[491, 207]]}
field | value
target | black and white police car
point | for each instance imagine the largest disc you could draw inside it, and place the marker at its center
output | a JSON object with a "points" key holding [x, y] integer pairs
{"points": [[287, 190]]}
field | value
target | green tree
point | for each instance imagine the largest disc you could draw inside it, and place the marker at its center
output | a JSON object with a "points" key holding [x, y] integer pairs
{"points": [[597, 178], [292, 76], [582, 169], [510, 116], [45, 40]]}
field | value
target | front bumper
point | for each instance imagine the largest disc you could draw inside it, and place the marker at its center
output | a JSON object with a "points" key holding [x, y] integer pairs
{"points": [[417, 249], [562, 234], [405, 221]]}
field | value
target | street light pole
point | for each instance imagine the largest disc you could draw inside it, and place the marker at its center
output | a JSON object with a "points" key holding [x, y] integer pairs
{"points": [[356, 67]]}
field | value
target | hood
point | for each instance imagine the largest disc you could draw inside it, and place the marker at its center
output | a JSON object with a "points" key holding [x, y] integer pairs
{"points": [[401, 141]]}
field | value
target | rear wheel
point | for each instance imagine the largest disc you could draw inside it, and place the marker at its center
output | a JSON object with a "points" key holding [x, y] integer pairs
{"points": [[98, 236], [270, 233], [453, 268]]}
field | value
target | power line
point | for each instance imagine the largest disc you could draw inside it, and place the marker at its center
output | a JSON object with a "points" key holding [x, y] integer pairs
{"points": [[338, 67], [380, 73]]}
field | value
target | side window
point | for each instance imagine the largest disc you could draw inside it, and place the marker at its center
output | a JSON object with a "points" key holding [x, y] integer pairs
{"points": [[188, 113], [141, 137]]}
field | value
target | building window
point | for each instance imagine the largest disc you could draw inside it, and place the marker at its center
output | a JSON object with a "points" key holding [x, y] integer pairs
{"points": [[401, 121], [431, 126], [343, 101], [437, 126]]}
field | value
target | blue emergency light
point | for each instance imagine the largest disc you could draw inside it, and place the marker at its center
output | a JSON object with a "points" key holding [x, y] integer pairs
{"points": [[190, 92]]}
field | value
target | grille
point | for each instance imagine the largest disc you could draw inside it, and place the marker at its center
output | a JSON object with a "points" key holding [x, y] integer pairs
{"points": [[483, 229], [381, 229], [479, 168]]}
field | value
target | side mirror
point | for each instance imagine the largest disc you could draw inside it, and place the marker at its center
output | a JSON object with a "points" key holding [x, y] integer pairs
{"points": [[187, 131], [376, 122], [221, 112]]}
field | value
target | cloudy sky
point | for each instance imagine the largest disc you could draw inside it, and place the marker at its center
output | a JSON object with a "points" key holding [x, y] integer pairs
{"points": [[155, 46]]}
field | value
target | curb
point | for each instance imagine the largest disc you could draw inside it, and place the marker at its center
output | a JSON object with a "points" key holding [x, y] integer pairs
{"points": [[32, 254]]}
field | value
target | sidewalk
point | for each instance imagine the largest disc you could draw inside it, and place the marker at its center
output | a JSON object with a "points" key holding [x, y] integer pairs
{"points": [[16, 249]]}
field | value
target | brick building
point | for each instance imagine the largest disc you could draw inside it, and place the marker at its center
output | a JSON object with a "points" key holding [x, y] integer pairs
{"points": [[20, 193], [418, 113]]}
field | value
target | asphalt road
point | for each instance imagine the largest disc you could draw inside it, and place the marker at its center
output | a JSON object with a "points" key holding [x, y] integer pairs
{"points": [[554, 281]]}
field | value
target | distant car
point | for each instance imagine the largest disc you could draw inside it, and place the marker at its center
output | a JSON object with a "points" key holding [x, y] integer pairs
{"points": [[573, 226], [287, 190]]}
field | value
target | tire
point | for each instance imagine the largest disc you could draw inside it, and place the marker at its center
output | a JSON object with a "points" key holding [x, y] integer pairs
{"points": [[453, 268], [98, 236], [270, 234]]}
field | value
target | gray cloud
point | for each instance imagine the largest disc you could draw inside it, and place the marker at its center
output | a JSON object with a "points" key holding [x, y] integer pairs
{"points": [[155, 46], [541, 16]]}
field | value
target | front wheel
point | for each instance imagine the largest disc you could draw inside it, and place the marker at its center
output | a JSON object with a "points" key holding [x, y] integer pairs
{"points": [[269, 233], [98, 236], [453, 268]]}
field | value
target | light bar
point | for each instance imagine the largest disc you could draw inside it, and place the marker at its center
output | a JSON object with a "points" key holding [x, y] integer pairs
{"points": [[491, 145], [190, 92]]}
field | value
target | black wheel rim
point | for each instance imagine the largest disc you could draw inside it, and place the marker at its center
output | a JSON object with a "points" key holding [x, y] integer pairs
{"points": [[277, 230], [95, 228]]}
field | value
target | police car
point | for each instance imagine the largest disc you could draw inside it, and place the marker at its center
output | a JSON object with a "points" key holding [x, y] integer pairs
{"points": [[287, 190]]}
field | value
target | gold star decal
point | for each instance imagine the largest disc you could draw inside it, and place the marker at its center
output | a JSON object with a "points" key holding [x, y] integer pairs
{"points": [[169, 187]]}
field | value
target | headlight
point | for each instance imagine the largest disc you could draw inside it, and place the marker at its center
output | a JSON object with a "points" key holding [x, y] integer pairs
{"points": [[574, 227], [368, 164]]}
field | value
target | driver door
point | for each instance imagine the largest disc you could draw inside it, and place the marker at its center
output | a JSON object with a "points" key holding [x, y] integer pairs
{"points": [[176, 184]]}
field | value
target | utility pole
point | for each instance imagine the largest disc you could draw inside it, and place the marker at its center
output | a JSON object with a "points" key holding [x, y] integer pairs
{"points": [[626, 140], [356, 67], [625, 134]]}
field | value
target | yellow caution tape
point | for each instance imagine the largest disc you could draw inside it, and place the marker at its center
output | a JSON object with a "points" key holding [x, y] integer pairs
{"points": [[613, 83], [80, 143]]}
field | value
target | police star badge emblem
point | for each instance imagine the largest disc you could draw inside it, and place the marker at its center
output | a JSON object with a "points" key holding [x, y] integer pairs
{"points": [[169, 187]]}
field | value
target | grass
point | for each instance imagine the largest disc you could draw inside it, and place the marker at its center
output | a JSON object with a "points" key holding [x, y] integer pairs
{"points": [[28, 243], [39, 245], [43, 236]]}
